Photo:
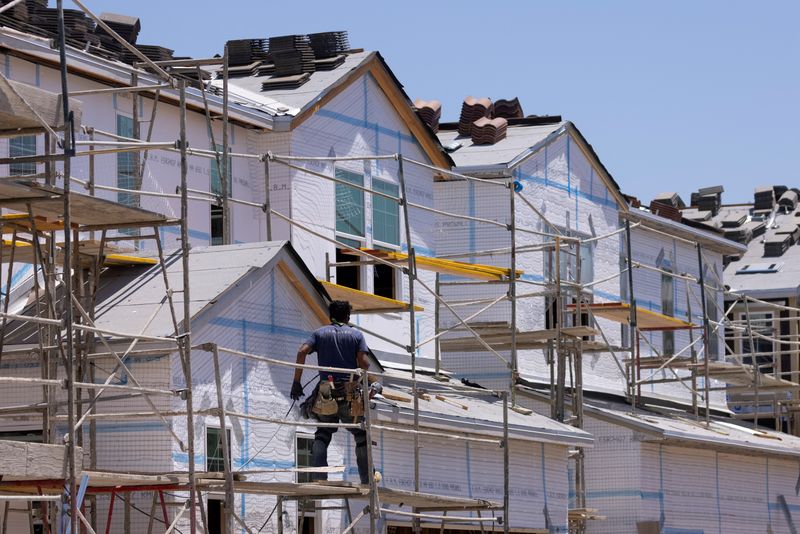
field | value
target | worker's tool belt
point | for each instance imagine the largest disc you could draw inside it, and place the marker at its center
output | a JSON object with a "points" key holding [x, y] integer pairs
{"points": [[328, 398]]}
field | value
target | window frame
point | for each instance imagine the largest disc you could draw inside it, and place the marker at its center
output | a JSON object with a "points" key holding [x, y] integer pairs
{"points": [[214, 170], [20, 146], [221, 457], [667, 336], [337, 188], [124, 159], [377, 198]]}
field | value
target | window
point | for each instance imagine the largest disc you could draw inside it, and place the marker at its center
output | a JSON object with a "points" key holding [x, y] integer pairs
{"points": [[349, 204], [126, 164], [713, 317], [762, 324], [385, 213], [215, 460], [383, 281], [348, 275], [668, 308], [304, 456], [216, 185], [216, 224], [22, 146]]}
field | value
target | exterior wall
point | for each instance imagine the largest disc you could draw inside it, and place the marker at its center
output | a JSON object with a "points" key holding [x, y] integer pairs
{"points": [[360, 121], [538, 475], [562, 183], [657, 250]]}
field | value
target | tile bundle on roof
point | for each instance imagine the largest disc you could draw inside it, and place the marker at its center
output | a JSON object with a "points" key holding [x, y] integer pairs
{"points": [[471, 110], [430, 111], [126, 27], [152, 52], [246, 51], [663, 208], [696, 215], [788, 200], [742, 234], [328, 44], [78, 27], [508, 109], [671, 198], [285, 82], [733, 219], [776, 244], [291, 55], [706, 201], [487, 131], [16, 14], [764, 198]]}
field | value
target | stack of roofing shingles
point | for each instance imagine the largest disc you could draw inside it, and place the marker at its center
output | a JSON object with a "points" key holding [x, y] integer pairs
{"points": [[18, 14], [329, 44], [78, 27], [430, 111], [471, 110], [126, 27], [487, 131], [246, 51], [776, 244], [508, 109], [764, 198], [152, 52], [293, 61]]}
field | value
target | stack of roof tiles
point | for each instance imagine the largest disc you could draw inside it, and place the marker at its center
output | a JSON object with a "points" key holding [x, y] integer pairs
{"points": [[126, 27], [788, 200], [16, 14], [291, 54], [471, 110], [775, 244], [487, 131], [78, 27], [430, 111], [508, 109], [708, 199], [665, 209], [152, 52], [328, 44], [246, 51], [764, 198]]}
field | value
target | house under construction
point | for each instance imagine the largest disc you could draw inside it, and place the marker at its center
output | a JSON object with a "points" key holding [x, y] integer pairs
{"points": [[553, 353]]}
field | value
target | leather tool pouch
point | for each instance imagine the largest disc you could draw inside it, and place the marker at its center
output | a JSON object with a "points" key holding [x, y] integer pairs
{"points": [[325, 404], [353, 395]]}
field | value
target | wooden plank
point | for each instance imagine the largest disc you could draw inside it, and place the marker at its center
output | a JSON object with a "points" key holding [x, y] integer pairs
{"points": [[321, 314], [476, 271], [619, 312], [363, 302], [17, 99], [35, 461], [534, 339]]}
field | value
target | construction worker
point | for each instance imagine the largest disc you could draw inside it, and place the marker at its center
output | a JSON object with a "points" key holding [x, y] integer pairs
{"points": [[338, 396]]}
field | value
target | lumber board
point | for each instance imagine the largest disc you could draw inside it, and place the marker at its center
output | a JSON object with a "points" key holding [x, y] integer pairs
{"points": [[21, 460], [16, 101]]}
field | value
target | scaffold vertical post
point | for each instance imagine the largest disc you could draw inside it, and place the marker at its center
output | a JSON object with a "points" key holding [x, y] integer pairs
{"points": [[185, 348], [374, 506], [412, 346], [225, 173], [754, 363], [267, 199], [633, 320], [512, 286], [706, 332], [436, 320], [67, 276], [226, 452], [506, 466]]}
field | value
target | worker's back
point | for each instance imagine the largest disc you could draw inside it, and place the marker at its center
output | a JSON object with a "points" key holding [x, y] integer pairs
{"points": [[337, 345]]}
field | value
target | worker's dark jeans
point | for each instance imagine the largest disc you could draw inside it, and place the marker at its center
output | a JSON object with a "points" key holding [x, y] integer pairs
{"points": [[322, 438]]}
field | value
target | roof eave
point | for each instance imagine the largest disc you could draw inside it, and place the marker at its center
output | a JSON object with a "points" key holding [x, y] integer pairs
{"points": [[719, 243]]}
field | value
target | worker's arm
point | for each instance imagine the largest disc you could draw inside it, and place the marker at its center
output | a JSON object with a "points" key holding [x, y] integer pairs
{"points": [[297, 386]]}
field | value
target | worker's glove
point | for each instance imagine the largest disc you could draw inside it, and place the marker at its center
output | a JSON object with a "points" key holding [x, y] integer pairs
{"points": [[297, 390], [376, 388]]}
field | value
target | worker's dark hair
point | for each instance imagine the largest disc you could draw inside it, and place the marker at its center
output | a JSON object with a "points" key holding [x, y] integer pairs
{"points": [[339, 310]]}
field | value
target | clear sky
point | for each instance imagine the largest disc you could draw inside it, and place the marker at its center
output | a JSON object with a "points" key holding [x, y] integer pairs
{"points": [[673, 95]]}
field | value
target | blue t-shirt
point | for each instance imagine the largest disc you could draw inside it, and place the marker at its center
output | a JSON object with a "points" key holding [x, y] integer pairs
{"points": [[337, 346]]}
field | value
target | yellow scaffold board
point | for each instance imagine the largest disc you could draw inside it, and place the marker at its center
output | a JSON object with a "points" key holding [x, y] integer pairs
{"points": [[363, 302], [620, 312], [88, 251], [442, 266], [21, 221]]}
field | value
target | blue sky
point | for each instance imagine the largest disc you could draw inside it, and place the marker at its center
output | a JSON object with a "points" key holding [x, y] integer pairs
{"points": [[672, 95]]}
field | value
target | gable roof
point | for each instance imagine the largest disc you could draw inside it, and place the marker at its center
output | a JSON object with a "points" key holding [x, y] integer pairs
{"points": [[524, 138], [132, 300]]}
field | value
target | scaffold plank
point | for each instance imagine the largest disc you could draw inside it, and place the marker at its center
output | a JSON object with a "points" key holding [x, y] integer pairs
{"points": [[619, 312], [364, 302], [442, 266], [534, 339]]}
